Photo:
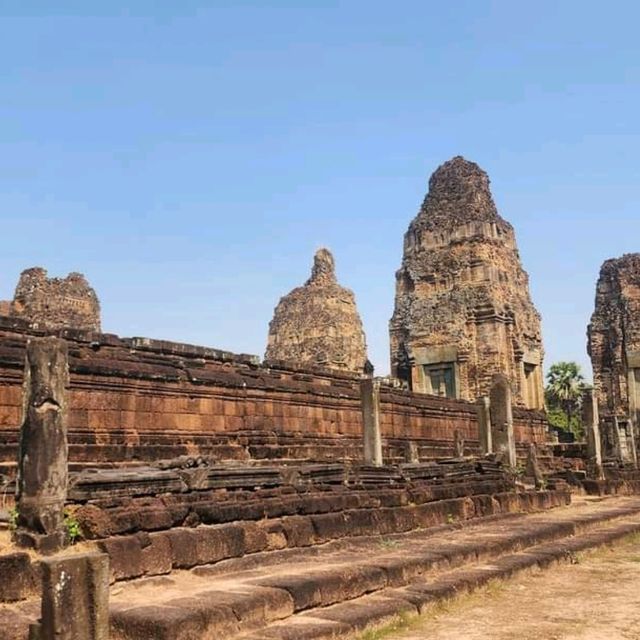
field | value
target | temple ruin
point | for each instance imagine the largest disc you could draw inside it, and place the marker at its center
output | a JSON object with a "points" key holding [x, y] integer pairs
{"points": [[212, 494], [614, 349], [318, 324], [463, 311], [54, 303]]}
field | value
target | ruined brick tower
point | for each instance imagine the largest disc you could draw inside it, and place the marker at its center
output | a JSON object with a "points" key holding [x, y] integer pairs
{"points": [[54, 303], [318, 323], [463, 311], [614, 339]]}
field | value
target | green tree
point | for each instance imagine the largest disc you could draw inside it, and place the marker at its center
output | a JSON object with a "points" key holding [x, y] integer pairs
{"points": [[563, 396]]}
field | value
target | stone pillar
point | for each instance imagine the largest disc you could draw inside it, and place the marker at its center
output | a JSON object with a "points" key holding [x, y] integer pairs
{"points": [[41, 488], [632, 387], [484, 425], [411, 453], [533, 468], [370, 402], [502, 419], [591, 424], [75, 598], [458, 444], [633, 452], [616, 443]]}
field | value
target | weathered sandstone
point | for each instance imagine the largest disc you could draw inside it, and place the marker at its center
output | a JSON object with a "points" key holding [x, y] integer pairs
{"points": [[614, 348], [138, 399], [54, 303], [318, 323], [42, 462], [463, 311]]}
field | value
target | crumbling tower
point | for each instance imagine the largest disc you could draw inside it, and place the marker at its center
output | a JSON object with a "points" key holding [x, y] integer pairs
{"points": [[463, 311], [318, 323], [54, 303], [614, 345]]}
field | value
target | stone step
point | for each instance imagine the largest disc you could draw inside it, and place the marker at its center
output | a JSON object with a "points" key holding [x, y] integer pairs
{"points": [[310, 594], [421, 596]]}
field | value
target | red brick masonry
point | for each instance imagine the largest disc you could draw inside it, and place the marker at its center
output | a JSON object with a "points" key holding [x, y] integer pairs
{"points": [[143, 399]]}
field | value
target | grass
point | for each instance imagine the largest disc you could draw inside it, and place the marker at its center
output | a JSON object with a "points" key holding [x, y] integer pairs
{"points": [[387, 543], [461, 604], [406, 621], [71, 524], [631, 539], [402, 622]]}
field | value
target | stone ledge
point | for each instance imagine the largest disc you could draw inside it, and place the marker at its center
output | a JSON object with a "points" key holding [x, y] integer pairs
{"points": [[357, 587], [184, 548]]}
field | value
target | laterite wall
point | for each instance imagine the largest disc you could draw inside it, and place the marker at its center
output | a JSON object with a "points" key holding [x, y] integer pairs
{"points": [[134, 399]]}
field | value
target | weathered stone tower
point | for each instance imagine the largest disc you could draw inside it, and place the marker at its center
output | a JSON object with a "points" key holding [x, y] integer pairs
{"points": [[54, 303], [318, 323], [463, 311], [614, 341]]}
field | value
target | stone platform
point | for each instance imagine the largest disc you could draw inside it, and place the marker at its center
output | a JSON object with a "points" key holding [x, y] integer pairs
{"points": [[137, 400], [332, 589]]}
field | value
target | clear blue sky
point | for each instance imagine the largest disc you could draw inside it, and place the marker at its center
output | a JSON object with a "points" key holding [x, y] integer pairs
{"points": [[189, 157]]}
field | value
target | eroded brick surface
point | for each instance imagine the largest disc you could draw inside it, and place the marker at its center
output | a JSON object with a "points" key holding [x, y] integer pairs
{"points": [[318, 323], [614, 335], [142, 399], [54, 303], [462, 296]]}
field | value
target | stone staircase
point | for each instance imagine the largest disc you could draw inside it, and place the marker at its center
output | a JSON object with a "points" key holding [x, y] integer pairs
{"points": [[335, 589]]}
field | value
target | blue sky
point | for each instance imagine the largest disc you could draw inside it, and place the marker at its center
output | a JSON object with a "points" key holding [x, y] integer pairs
{"points": [[190, 157]]}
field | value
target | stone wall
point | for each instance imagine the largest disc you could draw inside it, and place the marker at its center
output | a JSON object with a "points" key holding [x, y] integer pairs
{"points": [[135, 399], [54, 303], [318, 323], [463, 311], [614, 346]]}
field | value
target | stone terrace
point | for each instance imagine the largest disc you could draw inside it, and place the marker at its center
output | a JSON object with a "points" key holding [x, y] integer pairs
{"points": [[135, 400], [208, 582]]}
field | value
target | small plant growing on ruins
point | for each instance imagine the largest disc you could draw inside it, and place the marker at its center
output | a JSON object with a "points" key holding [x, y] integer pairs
{"points": [[74, 532], [519, 471], [402, 622], [451, 519], [572, 557], [13, 518], [389, 544]]}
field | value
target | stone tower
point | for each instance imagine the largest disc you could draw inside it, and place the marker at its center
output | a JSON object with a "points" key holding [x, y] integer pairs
{"points": [[463, 311], [318, 323], [614, 339], [54, 303]]}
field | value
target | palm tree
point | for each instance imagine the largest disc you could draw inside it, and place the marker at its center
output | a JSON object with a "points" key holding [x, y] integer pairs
{"points": [[565, 386]]}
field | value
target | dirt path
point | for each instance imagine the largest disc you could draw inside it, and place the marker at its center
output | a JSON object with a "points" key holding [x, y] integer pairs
{"points": [[596, 599]]}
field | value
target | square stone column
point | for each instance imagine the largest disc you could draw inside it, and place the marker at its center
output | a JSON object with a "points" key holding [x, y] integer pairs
{"points": [[502, 419], [618, 443], [532, 469], [411, 452], [458, 444], [633, 451], [591, 423], [41, 488], [75, 598], [484, 425], [370, 403]]}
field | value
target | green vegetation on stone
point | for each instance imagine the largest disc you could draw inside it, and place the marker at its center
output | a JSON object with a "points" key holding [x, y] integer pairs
{"points": [[73, 527], [13, 518]]}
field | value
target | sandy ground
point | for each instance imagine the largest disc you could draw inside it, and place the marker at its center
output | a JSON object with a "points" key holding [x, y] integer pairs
{"points": [[596, 599]]}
